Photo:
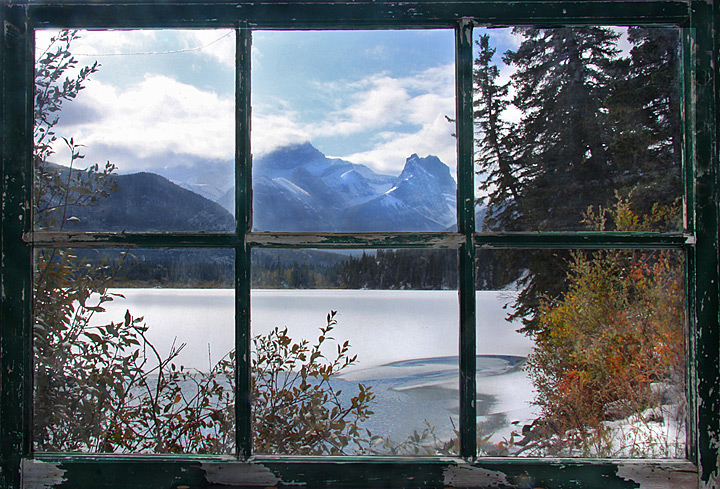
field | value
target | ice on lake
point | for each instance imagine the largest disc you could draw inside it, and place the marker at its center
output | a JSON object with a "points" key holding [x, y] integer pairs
{"points": [[406, 344]]}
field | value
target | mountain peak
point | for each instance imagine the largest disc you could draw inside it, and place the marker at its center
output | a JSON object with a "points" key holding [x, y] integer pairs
{"points": [[291, 156], [431, 165]]}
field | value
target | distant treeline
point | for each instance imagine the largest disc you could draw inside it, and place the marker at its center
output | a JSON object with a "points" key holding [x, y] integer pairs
{"points": [[432, 269], [384, 269]]}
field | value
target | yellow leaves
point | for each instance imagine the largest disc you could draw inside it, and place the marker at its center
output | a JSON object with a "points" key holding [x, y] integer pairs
{"points": [[618, 329]]}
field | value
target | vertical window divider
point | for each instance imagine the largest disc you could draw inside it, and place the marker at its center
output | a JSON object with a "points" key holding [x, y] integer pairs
{"points": [[706, 331], [16, 96], [466, 226], [688, 152], [243, 224]]}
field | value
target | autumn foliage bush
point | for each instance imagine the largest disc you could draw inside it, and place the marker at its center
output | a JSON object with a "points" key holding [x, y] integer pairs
{"points": [[612, 347]]}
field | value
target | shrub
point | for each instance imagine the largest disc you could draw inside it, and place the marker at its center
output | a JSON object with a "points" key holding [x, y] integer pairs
{"points": [[297, 410], [609, 345]]}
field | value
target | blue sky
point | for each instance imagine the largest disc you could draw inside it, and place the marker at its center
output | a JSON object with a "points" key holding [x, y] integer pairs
{"points": [[164, 98]]}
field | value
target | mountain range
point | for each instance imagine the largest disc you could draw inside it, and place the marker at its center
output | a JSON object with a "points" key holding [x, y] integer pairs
{"points": [[295, 189]]}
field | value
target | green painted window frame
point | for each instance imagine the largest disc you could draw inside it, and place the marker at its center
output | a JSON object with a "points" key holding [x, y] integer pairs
{"points": [[20, 468]]}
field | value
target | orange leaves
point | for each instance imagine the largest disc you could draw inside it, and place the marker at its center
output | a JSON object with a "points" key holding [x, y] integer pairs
{"points": [[617, 331]]}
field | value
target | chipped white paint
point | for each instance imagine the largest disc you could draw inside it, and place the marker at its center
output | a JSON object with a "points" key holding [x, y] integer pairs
{"points": [[239, 474], [469, 476], [650, 476], [41, 475], [465, 22]]}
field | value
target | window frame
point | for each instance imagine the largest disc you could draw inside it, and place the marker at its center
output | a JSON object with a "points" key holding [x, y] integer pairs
{"points": [[20, 467]]}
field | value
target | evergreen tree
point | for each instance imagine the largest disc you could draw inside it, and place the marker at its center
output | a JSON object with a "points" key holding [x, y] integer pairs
{"points": [[592, 124], [645, 110], [555, 163], [498, 169], [562, 82]]}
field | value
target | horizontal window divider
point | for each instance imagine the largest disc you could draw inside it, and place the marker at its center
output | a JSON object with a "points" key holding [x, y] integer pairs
{"points": [[59, 239], [350, 14], [590, 240], [450, 240], [143, 471], [356, 240]]}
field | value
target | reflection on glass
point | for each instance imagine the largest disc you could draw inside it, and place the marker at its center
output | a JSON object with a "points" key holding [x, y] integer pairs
{"points": [[355, 353], [134, 130], [572, 117], [133, 352], [353, 132], [581, 353]]}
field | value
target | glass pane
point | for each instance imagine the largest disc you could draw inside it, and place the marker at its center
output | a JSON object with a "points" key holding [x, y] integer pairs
{"points": [[573, 117], [581, 353], [353, 131], [134, 130], [134, 351], [385, 323]]}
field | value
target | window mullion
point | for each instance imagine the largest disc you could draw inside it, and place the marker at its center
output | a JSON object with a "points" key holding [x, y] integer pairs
{"points": [[706, 332], [243, 220], [466, 227], [16, 262], [688, 151]]}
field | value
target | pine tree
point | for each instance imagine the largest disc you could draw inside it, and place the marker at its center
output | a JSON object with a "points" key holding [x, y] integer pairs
{"points": [[645, 110], [592, 124], [545, 171], [497, 167], [562, 82]]}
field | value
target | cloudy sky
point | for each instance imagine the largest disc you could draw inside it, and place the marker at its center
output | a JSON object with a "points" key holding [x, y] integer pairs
{"points": [[165, 98]]}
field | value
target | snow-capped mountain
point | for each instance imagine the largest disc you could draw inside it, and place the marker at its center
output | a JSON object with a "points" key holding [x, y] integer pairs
{"points": [[209, 178], [297, 188], [422, 199]]}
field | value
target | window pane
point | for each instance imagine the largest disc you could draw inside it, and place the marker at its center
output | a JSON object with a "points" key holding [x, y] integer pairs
{"points": [[581, 353], [572, 117], [395, 311], [134, 351], [353, 132], [141, 141]]}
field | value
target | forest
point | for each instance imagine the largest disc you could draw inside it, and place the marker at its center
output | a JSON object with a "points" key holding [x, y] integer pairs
{"points": [[271, 269]]}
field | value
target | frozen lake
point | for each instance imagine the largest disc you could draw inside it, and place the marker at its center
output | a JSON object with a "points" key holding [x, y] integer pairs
{"points": [[383, 326], [406, 343]]}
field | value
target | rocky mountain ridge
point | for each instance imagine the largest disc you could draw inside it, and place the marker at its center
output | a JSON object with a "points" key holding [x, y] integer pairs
{"points": [[295, 189]]}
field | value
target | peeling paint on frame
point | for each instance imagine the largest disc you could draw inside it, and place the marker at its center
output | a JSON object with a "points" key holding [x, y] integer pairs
{"points": [[469, 476], [41, 475], [229, 474], [657, 477]]}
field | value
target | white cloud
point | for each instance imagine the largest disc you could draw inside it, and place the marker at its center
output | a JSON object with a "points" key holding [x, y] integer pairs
{"points": [[373, 107], [272, 131], [157, 116], [93, 43], [398, 116], [433, 138], [219, 44]]}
